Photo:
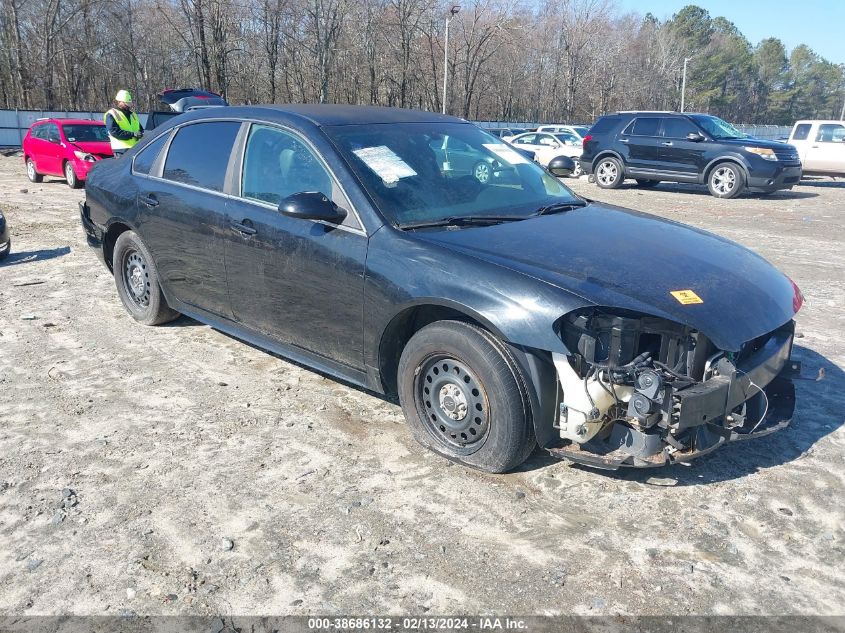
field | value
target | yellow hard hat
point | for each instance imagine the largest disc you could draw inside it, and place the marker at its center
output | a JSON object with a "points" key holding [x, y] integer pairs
{"points": [[123, 95]]}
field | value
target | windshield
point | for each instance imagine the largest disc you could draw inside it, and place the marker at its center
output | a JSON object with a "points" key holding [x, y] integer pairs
{"points": [[425, 172], [82, 133], [716, 127]]}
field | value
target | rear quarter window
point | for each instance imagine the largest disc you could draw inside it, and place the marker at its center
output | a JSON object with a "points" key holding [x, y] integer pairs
{"points": [[604, 125], [801, 132], [147, 157], [199, 154]]}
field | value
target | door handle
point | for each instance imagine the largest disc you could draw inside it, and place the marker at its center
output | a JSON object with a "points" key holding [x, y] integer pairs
{"points": [[669, 143], [244, 228], [623, 140], [814, 146], [149, 200]]}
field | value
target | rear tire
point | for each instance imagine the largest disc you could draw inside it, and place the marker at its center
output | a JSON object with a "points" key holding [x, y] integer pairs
{"points": [[70, 176], [4, 252], [137, 281], [726, 180], [647, 184], [31, 172], [464, 397], [609, 173]]}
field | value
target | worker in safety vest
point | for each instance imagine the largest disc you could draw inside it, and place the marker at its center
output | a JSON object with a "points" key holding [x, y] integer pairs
{"points": [[122, 123]]}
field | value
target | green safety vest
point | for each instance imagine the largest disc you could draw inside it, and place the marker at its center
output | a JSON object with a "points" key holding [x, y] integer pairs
{"points": [[127, 124]]}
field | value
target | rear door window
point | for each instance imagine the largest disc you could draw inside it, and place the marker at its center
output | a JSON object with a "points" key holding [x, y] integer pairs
{"points": [[677, 127], [528, 139], [644, 126], [199, 154], [802, 131]]}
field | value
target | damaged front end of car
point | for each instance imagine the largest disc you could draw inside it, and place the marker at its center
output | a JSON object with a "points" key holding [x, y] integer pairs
{"points": [[642, 391]]}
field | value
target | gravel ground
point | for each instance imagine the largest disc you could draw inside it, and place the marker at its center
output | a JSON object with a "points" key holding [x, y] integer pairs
{"points": [[176, 470]]}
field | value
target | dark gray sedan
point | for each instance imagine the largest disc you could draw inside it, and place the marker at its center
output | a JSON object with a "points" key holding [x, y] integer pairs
{"points": [[502, 312]]}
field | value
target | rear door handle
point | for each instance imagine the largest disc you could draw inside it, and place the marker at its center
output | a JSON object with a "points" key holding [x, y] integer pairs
{"points": [[244, 228], [666, 143], [623, 140], [149, 200]]}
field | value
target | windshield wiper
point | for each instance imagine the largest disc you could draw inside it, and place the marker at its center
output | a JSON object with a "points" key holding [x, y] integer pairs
{"points": [[463, 220], [559, 207]]}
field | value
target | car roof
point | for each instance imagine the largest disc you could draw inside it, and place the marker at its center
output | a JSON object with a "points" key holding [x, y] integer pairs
{"points": [[78, 121], [329, 114]]}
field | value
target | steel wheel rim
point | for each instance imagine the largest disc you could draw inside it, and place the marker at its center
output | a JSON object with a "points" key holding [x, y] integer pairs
{"points": [[30, 169], [724, 180], [482, 173], [606, 173], [136, 278], [453, 402]]}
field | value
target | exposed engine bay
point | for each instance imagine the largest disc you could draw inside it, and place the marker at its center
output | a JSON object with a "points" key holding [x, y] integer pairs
{"points": [[643, 391]]}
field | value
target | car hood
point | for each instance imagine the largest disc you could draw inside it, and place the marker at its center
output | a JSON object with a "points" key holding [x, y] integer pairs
{"points": [[756, 142], [93, 147], [614, 257]]}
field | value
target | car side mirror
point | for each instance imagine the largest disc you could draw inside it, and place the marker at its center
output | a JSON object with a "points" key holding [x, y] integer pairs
{"points": [[561, 165], [311, 205], [695, 137]]}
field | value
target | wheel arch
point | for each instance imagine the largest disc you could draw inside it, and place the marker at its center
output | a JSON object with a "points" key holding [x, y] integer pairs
{"points": [[535, 366], [724, 159], [114, 230], [606, 153]]}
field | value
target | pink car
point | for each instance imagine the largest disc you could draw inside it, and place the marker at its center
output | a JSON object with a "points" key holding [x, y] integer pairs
{"points": [[64, 147]]}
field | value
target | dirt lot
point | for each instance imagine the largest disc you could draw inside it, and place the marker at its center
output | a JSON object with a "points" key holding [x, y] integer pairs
{"points": [[206, 476]]}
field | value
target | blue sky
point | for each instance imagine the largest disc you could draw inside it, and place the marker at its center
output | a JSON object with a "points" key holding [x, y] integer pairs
{"points": [[818, 23]]}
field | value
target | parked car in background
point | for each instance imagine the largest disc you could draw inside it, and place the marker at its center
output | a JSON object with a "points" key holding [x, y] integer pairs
{"points": [[5, 239], [66, 148], [456, 158], [576, 130], [651, 147], [499, 315], [187, 99], [178, 100], [515, 131], [821, 147], [547, 145]]}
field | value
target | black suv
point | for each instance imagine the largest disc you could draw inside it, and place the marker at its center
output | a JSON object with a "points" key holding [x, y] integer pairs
{"points": [[655, 146]]}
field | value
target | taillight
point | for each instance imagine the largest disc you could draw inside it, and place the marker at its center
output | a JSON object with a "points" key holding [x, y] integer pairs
{"points": [[589, 137], [797, 296]]}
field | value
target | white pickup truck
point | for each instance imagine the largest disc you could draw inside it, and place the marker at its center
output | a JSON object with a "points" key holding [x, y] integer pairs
{"points": [[821, 147]]}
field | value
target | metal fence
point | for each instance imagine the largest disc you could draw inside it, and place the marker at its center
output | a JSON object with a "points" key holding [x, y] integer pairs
{"points": [[15, 123]]}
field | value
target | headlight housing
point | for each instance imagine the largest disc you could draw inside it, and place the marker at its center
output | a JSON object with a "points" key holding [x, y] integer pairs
{"points": [[88, 158], [763, 152]]}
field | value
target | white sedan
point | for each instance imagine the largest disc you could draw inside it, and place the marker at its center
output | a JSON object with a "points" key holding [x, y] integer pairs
{"points": [[547, 146]]}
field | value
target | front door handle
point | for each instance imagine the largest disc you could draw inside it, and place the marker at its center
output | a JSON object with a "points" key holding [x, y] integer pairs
{"points": [[623, 140], [669, 143], [244, 228], [149, 200]]}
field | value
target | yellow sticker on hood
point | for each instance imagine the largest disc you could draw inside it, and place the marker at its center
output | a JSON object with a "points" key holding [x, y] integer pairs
{"points": [[686, 297]]}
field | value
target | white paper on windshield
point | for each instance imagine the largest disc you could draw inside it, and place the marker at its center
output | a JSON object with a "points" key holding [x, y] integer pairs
{"points": [[507, 154], [385, 163]]}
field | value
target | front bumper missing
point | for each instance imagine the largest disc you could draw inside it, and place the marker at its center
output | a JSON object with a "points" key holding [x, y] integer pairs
{"points": [[703, 411]]}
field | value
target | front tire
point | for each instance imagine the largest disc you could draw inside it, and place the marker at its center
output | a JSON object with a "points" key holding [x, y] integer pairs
{"points": [[31, 172], [137, 281], [464, 397], [70, 176], [609, 173], [4, 252], [726, 180]]}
